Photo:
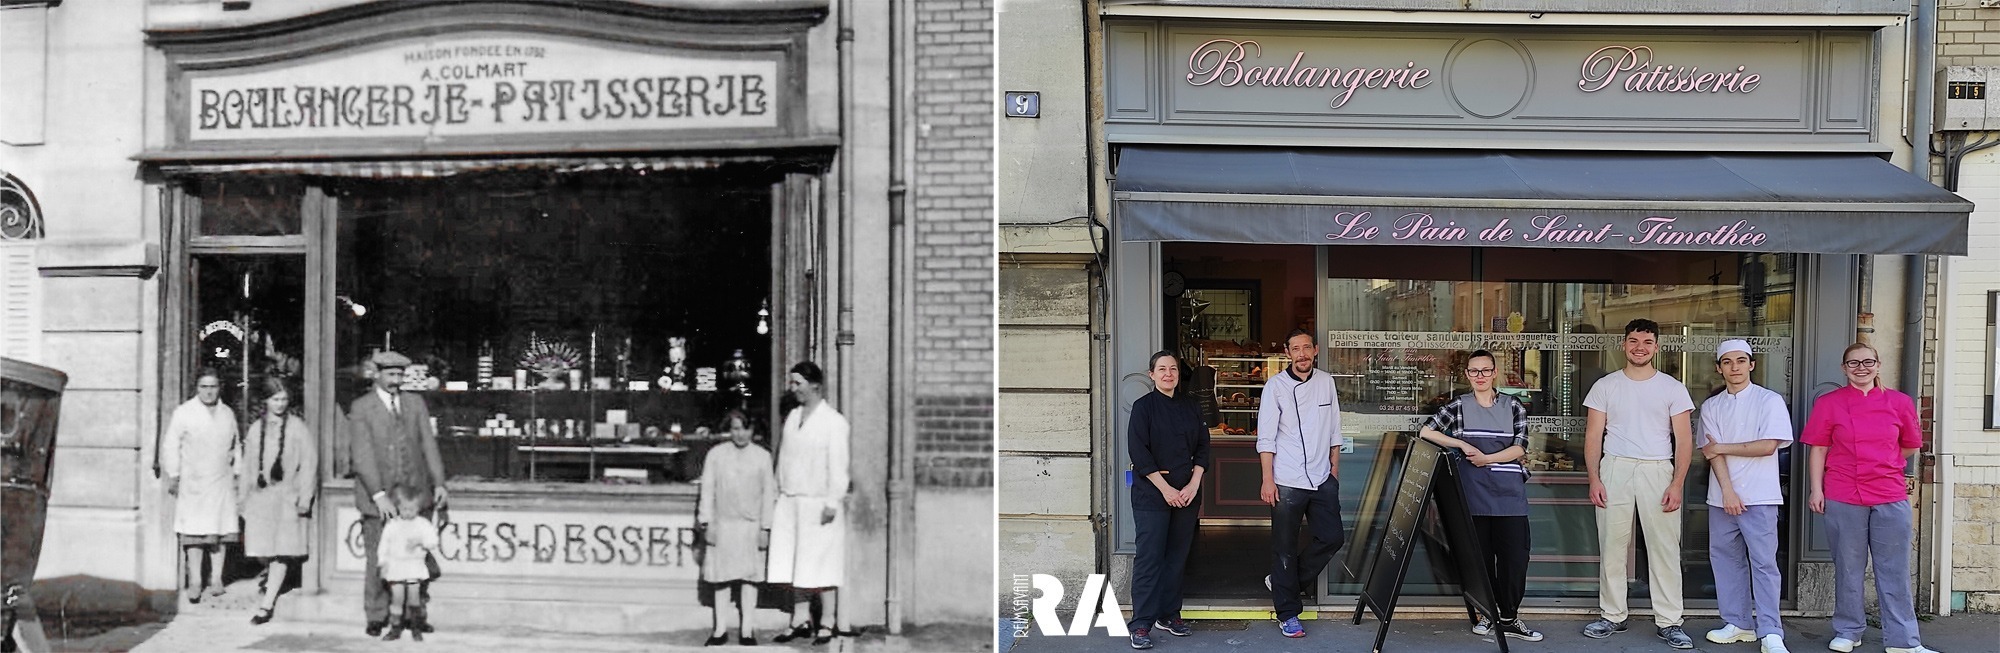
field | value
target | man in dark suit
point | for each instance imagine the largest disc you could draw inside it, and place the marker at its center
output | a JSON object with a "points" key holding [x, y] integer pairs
{"points": [[392, 443]]}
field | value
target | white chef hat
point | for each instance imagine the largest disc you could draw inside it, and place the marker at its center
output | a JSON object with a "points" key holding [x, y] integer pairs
{"points": [[1732, 344]]}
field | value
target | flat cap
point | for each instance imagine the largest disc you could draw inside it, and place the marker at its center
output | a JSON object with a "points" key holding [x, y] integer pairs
{"points": [[387, 359]]}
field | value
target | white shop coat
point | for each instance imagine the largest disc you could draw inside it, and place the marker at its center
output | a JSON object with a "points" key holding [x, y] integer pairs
{"points": [[200, 449]]}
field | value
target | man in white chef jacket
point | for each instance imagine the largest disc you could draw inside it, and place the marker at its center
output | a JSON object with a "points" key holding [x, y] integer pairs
{"points": [[809, 531]]}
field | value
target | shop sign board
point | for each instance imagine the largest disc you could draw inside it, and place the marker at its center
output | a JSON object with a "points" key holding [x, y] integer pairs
{"points": [[1428, 504], [583, 545], [487, 85], [1617, 229], [1226, 77]]}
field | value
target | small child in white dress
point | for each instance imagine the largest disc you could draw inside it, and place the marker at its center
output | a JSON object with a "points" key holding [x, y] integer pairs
{"points": [[406, 540]]}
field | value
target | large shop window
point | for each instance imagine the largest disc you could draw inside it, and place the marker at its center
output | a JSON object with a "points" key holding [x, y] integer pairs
{"points": [[1394, 324], [589, 328]]}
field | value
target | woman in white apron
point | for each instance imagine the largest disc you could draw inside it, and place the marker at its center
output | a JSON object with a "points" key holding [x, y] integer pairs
{"points": [[809, 529], [198, 457]]}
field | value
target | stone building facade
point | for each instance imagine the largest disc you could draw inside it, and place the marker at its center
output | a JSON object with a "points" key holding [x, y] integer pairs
{"points": [[1062, 387]]}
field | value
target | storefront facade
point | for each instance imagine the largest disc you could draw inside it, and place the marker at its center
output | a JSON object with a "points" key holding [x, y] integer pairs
{"points": [[1412, 186], [596, 229]]}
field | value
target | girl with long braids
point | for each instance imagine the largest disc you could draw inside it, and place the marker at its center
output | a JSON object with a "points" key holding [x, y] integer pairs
{"points": [[280, 474]]}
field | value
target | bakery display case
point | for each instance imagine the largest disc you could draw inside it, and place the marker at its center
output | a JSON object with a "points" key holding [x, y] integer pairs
{"points": [[1231, 487], [1239, 389], [575, 435]]}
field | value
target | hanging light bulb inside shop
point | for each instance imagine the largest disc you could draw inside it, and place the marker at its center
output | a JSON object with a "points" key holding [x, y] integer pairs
{"points": [[764, 318], [358, 309]]}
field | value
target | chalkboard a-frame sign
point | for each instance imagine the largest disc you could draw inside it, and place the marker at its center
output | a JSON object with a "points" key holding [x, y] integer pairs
{"points": [[1430, 480]]}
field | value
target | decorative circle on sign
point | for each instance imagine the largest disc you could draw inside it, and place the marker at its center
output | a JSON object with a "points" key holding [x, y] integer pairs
{"points": [[1489, 78], [20, 214]]}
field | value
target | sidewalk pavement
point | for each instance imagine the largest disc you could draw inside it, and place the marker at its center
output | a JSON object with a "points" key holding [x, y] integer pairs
{"points": [[1963, 633], [223, 624]]}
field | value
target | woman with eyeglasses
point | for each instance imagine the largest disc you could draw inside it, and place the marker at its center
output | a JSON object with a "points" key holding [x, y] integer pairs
{"points": [[1861, 435], [1491, 429]]}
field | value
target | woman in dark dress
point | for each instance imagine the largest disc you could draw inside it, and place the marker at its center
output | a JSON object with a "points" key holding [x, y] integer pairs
{"points": [[1169, 446]]}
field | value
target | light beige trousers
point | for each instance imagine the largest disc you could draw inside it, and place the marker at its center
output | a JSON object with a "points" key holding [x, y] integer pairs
{"points": [[1635, 487]]}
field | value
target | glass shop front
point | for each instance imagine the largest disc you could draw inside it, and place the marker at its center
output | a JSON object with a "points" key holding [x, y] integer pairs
{"points": [[588, 328], [563, 327], [578, 338], [1395, 324]]}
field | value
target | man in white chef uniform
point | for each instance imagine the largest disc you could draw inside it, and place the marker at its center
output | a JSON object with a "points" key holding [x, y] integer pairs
{"points": [[198, 459], [809, 531]]}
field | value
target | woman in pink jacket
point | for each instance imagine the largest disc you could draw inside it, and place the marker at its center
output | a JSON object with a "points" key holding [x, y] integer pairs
{"points": [[1861, 435]]}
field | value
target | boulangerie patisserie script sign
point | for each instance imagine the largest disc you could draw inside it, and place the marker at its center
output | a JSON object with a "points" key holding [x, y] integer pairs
{"points": [[1228, 63]]}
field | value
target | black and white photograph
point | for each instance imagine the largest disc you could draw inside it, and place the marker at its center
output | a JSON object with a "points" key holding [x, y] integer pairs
{"points": [[578, 325]]}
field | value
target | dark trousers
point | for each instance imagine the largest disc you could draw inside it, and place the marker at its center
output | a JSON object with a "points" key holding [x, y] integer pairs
{"points": [[1506, 542], [374, 592], [1291, 568], [1165, 536]]}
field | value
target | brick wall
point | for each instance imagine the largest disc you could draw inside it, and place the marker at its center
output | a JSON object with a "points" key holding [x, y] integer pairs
{"points": [[1968, 37], [1971, 37], [953, 190]]}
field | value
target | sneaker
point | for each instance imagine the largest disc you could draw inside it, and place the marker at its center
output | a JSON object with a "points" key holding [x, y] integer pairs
{"points": [[1842, 644], [1914, 649], [1267, 582], [1729, 634], [1517, 630], [1676, 637], [1484, 627], [1292, 628], [1177, 627], [1773, 643], [1142, 638], [1603, 628]]}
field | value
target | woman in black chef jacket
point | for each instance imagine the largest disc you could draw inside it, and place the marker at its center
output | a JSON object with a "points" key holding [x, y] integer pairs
{"points": [[1169, 447]]}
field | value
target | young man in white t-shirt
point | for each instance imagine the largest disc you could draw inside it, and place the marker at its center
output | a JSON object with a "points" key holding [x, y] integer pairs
{"points": [[1637, 445], [1742, 429]]}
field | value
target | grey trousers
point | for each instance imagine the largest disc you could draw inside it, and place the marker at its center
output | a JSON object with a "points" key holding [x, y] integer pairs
{"points": [[1859, 533], [1743, 550]]}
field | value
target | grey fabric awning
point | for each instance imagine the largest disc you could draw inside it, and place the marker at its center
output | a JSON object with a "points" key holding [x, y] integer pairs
{"points": [[1803, 203]]}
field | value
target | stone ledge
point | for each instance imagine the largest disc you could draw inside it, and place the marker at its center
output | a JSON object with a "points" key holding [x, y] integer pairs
{"points": [[98, 258], [1068, 243]]}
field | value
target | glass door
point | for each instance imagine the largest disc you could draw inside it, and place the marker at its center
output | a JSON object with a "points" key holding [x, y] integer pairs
{"points": [[249, 317], [239, 294]]}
